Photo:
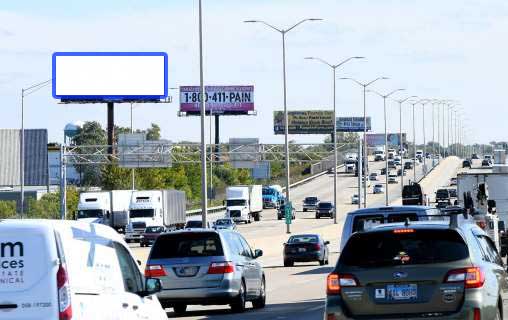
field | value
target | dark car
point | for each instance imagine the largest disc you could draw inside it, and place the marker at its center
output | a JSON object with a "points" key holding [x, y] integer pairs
{"points": [[281, 212], [443, 195], [486, 163], [324, 208], [466, 164], [474, 156], [305, 248], [408, 165], [150, 234], [383, 171], [310, 203], [418, 270], [401, 172]]}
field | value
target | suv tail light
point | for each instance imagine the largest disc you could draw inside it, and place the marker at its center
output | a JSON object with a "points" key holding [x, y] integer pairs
{"points": [[155, 271], [335, 281], [317, 247], [64, 294], [482, 224], [471, 277], [221, 268]]}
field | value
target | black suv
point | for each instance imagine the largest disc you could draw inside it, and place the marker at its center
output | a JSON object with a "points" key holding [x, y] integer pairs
{"points": [[413, 270], [466, 164], [408, 165]]}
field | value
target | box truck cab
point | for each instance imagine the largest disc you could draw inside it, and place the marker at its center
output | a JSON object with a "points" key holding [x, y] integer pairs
{"points": [[93, 207], [145, 210], [244, 203], [53, 269]]}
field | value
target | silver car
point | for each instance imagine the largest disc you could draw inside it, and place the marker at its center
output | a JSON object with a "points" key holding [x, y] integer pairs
{"points": [[224, 224], [206, 267]]}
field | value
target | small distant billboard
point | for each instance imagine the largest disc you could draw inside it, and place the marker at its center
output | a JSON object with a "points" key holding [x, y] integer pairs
{"points": [[304, 122], [111, 76], [244, 152], [378, 139], [352, 124], [221, 100]]}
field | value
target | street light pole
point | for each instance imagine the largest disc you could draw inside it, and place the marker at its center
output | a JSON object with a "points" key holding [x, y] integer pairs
{"points": [[423, 103], [286, 129], [24, 93], [400, 142], [334, 134], [204, 191], [386, 138], [365, 149]]}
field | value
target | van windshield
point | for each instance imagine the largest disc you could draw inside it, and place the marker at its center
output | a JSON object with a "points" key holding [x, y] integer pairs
{"points": [[141, 213], [183, 245], [235, 203], [83, 214], [418, 247]]}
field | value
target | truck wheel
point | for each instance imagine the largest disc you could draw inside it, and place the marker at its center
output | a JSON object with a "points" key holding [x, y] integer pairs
{"points": [[179, 309], [257, 217], [304, 210], [279, 218]]}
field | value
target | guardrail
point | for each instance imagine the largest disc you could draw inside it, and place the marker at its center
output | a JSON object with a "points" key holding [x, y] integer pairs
{"points": [[196, 212]]}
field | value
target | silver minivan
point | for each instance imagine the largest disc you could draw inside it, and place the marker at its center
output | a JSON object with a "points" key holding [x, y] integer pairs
{"points": [[206, 267]]}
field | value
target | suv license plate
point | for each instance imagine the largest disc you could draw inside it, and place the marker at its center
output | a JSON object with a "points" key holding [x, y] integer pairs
{"points": [[302, 249], [402, 292]]}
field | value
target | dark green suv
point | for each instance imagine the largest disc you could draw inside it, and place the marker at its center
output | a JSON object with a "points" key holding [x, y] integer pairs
{"points": [[418, 270]]}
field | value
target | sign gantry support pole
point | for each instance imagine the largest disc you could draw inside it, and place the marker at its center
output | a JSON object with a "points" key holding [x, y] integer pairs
{"points": [[111, 126]]}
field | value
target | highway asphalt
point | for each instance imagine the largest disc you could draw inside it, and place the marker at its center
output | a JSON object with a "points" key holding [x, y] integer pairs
{"points": [[298, 292]]}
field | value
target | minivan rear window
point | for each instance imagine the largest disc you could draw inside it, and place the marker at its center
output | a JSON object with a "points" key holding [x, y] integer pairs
{"points": [[189, 244], [387, 248]]}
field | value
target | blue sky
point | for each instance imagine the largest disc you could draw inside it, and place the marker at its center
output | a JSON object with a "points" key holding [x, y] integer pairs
{"points": [[435, 49]]}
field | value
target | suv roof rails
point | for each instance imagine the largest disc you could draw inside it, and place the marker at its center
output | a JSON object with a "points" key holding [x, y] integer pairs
{"points": [[453, 212]]}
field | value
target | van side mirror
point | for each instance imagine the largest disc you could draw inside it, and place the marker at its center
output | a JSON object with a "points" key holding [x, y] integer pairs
{"points": [[327, 243], [258, 253], [152, 286], [139, 262]]}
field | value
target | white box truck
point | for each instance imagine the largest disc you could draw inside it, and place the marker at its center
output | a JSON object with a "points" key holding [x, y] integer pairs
{"points": [[151, 208], [244, 203], [107, 207]]}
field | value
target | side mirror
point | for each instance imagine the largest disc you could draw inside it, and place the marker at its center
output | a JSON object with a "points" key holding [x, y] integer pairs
{"points": [[327, 243], [152, 286], [258, 253], [139, 262]]}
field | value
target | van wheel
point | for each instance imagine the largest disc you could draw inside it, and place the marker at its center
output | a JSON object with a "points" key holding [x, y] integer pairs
{"points": [[180, 309], [260, 301], [238, 304], [317, 216], [288, 263]]}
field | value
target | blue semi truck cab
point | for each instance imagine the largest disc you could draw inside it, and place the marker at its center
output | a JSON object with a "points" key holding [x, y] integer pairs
{"points": [[272, 196]]}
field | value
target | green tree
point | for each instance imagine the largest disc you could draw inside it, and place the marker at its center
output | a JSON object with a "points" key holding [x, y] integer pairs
{"points": [[154, 132], [7, 209], [91, 134]]}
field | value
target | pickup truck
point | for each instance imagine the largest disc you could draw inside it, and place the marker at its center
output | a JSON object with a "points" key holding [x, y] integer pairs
{"points": [[310, 204]]}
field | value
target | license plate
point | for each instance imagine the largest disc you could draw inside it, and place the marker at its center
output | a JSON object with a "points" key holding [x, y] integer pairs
{"points": [[302, 249], [186, 271], [402, 292]]}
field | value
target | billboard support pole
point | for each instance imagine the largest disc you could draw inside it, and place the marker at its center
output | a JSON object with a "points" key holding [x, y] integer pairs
{"points": [[217, 136], [111, 126], [204, 191]]}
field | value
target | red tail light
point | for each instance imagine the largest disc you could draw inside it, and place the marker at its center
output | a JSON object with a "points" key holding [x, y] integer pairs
{"points": [[221, 268], [471, 277], [64, 294], [317, 247], [477, 314], [155, 271], [331, 316], [334, 282]]}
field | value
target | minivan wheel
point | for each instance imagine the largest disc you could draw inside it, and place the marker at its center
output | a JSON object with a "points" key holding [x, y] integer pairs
{"points": [[288, 263], [260, 301], [179, 309], [238, 304]]}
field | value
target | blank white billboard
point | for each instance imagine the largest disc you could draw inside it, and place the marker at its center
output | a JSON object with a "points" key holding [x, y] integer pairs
{"points": [[109, 75]]}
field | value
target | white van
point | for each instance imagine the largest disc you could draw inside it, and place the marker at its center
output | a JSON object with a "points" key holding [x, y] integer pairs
{"points": [[52, 269]]}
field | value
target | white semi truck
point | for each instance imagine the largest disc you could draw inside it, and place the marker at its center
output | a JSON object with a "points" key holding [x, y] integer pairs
{"points": [[151, 208], [106, 207], [244, 203], [488, 192]]}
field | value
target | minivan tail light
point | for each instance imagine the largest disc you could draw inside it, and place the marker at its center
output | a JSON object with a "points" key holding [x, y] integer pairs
{"points": [[317, 247], [335, 281], [471, 277], [155, 271], [221, 268], [482, 224], [477, 315], [64, 294]]}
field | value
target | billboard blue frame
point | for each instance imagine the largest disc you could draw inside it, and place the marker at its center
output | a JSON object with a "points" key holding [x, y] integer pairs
{"points": [[108, 97]]}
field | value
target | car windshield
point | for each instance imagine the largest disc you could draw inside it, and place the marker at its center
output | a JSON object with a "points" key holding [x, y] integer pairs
{"points": [[194, 224], [184, 245], [303, 239], [378, 186], [141, 213], [236, 203], [268, 192], [223, 222], [83, 214], [154, 230], [415, 247], [311, 199], [325, 205]]}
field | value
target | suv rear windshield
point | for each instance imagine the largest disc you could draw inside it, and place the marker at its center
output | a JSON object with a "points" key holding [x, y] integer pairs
{"points": [[310, 199], [442, 193], [183, 245], [381, 249], [325, 205]]}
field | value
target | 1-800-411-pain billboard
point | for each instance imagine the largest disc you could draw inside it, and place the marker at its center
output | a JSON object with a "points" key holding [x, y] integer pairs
{"points": [[224, 100]]}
